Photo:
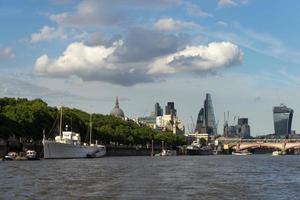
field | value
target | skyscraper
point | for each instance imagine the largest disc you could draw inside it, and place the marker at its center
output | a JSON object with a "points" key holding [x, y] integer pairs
{"points": [[283, 117], [158, 111], [206, 118], [170, 109]]}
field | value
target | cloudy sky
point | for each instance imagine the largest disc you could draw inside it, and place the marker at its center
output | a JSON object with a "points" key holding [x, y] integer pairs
{"points": [[82, 54]]}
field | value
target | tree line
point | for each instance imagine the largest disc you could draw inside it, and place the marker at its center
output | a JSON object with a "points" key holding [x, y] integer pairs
{"points": [[29, 118]]}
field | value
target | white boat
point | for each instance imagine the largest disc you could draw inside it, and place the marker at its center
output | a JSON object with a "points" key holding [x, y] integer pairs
{"points": [[31, 155], [11, 156], [194, 146], [242, 153], [166, 152], [68, 145], [277, 153]]}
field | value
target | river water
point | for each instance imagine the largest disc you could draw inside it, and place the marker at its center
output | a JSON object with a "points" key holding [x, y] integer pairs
{"points": [[178, 177]]}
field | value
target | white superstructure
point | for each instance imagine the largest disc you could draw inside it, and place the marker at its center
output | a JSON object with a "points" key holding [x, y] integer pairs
{"points": [[68, 145]]}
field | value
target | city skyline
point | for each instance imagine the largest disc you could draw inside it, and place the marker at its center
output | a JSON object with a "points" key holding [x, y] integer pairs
{"points": [[83, 53]]}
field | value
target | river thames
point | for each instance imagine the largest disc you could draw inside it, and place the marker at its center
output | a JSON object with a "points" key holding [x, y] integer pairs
{"points": [[178, 177]]}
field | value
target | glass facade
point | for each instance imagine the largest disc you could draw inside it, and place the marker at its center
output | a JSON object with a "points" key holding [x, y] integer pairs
{"points": [[158, 111], [283, 117], [206, 118], [170, 109]]}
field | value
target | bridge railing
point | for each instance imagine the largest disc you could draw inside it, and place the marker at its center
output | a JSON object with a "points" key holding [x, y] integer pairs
{"points": [[239, 140]]}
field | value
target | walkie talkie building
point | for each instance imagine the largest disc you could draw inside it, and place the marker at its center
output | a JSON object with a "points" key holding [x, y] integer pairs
{"points": [[283, 117]]}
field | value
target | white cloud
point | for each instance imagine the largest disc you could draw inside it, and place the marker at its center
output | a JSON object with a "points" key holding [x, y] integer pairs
{"points": [[77, 58], [195, 10], [89, 13], [226, 3], [222, 23], [170, 24], [6, 53], [263, 43], [231, 3], [48, 33], [199, 59], [100, 63]]}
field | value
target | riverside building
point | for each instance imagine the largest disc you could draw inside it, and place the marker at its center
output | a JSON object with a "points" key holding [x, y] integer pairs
{"points": [[283, 117]]}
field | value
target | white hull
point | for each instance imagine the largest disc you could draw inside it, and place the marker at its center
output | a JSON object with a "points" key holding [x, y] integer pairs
{"points": [[277, 153], [53, 149], [241, 153]]}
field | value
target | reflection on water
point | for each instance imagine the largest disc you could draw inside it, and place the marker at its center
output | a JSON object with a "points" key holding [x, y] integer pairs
{"points": [[178, 177]]}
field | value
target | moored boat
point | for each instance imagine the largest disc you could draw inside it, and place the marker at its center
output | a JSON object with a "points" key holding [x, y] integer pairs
{"points": [[241, 153], [277, 153], [68, 145], [10, 156], [31, 155], [166, 152]]}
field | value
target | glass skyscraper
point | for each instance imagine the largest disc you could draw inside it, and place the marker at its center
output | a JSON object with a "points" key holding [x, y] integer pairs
{"points": [[170, 109], [283, 117], [158, 111], [206, 122]]}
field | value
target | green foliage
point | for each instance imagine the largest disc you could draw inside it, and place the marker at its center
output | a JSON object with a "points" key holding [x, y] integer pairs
{"points": [[28, 118]]}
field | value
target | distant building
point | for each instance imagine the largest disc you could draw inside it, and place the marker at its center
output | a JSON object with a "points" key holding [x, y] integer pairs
{"points": [[149, 121], [283, 117], [206, 118], [168, 122], [117, 111], [170, 109], [242, 128], [158, 111]]}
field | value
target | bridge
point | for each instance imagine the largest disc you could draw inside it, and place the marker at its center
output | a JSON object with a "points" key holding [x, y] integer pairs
{"points": [[276, 144]]}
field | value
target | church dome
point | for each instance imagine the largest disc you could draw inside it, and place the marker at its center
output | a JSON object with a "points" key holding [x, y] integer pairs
{"points": [[117, 111]]}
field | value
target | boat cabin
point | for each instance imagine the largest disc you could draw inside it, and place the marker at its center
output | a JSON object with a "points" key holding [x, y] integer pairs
{"points": [[69, 137]]}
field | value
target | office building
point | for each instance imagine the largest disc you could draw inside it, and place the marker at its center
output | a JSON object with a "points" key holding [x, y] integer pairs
{"points": [[206, 118], [158, 111], [283, 117], [170, 109], [242, 128]]}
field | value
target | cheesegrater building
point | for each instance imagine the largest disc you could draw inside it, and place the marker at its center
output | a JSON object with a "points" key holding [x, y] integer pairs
{"points": [[206, 118]]}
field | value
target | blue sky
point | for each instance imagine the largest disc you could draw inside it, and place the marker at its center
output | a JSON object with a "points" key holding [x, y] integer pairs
{"points": [[84, 53]]}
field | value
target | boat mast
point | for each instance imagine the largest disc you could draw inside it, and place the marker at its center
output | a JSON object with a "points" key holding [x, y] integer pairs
{"points": [[60, 122], [90, 128]]}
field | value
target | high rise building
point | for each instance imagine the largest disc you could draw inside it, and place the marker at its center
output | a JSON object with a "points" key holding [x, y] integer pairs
{"points": [[283, 117], [170, 109], [158, 111], [206, 118], [242, 128]]}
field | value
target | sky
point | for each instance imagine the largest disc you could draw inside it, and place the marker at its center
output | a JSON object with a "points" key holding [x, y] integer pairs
{"points": [[82, 54]]}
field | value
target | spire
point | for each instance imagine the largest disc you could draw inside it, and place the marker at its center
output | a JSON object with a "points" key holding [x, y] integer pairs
{"points": [[117, 102]]}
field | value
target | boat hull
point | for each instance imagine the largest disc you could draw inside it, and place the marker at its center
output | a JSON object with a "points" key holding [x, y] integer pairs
{"points": [[53, 150], [241, 153]]}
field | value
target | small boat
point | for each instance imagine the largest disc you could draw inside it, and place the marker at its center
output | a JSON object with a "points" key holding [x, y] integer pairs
{"points": [[242, 153], [166, 152], [31, 155], [11, 156], [194, 146], [277, 153]]}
